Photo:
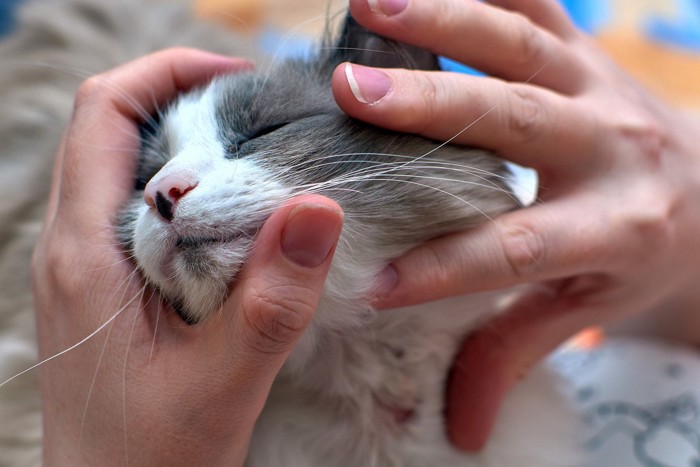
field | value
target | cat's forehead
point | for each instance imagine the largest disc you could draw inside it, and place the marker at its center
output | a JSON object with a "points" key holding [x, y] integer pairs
{"points": [[238, 107], [283, 94]]}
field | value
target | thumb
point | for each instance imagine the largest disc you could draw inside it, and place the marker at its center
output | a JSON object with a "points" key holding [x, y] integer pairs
{"points": [[279, 290], [496, 357]]}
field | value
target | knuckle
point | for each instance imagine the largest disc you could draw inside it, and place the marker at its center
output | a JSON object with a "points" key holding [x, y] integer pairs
{"points": [[89, 91], [430, 95], [651, 141], [177, 53], [441, 266], [652, 225], [39, 266], [645, 134], [172, 55], [524, 249], [49, 263], [525, 115], [529, 42], [442, 17], [419, 117], [276, 317]]}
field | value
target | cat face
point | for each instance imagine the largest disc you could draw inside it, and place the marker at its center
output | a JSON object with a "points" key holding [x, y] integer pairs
{"points": [[225, 156]]}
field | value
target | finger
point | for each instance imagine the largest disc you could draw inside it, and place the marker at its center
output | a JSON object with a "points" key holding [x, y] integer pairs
{"points": [[97, 159], [277, 295], [138, 88], [526, 124], [547, 13], [537, 244], [518, 50], [495, 358]]}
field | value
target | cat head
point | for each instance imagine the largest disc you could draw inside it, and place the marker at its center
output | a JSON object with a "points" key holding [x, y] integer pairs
{"points": [[224, 157]]}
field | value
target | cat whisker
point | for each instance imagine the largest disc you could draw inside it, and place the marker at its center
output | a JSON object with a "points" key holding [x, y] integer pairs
{"points": [[128, 258], [412, 159], [120, 150], [99, 361], [286, 38], [391, 167], [155, 330], [72, 347], [320, 188], [360, 49], [86, 74], [363, 176], [445, 192], [92, 385], [126, 361]]}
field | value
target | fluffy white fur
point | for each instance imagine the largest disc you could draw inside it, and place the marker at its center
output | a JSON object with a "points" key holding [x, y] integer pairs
{"points": [[225, 191]]}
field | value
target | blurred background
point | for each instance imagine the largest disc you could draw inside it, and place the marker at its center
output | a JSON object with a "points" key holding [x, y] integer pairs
{"points": [[658, 41]]}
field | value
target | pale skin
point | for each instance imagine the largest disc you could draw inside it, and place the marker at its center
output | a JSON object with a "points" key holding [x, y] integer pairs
{"points": [[162, 393], [616, 228]]}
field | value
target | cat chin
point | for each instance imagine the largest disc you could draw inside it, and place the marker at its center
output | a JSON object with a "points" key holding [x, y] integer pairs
{"points": [[195, 304], [196, 299], [195, 295], [194, 278]]}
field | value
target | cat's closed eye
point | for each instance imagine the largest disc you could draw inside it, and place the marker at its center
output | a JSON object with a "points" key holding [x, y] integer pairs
{"points": [[266, 130], [242, 139]]}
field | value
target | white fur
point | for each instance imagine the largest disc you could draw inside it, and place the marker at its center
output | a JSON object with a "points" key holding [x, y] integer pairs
{"points": [[211, 210], [192, 126], [340, 412]]}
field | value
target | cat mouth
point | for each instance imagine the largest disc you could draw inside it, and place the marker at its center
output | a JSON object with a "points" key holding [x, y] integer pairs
{"points": [[189, 242], [192, 242], [179, 308]]}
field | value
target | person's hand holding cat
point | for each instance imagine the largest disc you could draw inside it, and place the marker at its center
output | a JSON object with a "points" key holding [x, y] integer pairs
{"points": [[161, 393], [617, 225]]}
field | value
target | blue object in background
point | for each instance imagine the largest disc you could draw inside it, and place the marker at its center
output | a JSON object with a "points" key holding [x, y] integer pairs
{"points": [[588, 15], [282, 44], [447, 64], [7, 15], [682, 31]]}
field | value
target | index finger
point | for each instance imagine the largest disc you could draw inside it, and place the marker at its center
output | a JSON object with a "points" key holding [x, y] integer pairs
{"points": [[518, 49], [96, 163], [527, 124], [536, 244]]}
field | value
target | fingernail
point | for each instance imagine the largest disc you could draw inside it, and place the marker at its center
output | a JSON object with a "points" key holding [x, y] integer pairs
{"points": [[387, 7], [368, 85], [310, 234]]}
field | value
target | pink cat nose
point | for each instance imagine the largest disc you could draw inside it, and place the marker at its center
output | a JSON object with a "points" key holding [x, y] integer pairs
{"points": [[164, 194]]}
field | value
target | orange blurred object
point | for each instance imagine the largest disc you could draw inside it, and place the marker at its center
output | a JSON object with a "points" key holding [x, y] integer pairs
{"points": [[588, 339], [243, 15], [669, 72]]}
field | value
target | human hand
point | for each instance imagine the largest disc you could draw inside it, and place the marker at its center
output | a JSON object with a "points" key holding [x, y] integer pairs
{"points": [[616, 228], [149, 390]]}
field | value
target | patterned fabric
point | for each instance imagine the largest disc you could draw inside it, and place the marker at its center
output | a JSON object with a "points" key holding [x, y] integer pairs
{"points": [[640, 402]]}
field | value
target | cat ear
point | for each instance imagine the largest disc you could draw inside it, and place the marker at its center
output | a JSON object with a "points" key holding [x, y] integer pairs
{"points": [[357, 44]]}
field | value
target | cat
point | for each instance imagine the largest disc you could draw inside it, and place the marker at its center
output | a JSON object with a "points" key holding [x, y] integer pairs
{"points": [[361, 388]]}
